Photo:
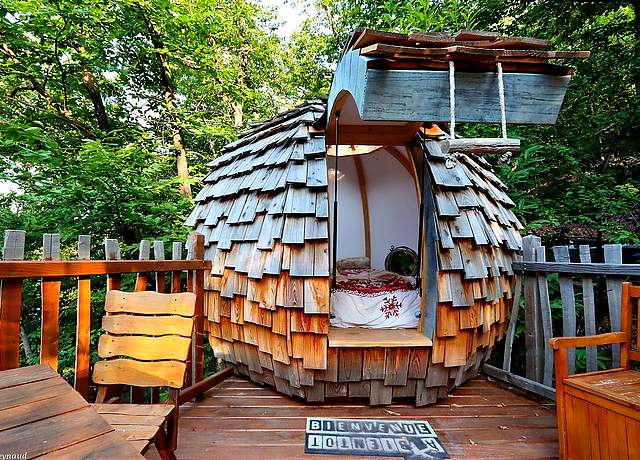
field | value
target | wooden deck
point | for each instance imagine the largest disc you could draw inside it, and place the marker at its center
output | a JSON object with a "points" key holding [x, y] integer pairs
{"points": [[241, 420]]}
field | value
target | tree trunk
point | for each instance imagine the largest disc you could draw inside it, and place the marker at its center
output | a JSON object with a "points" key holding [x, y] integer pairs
{"points": [[96, 98], [24, 338], [170, 102], [237, 114], [635, 68]]}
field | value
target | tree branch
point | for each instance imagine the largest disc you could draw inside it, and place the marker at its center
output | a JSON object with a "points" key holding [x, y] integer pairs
{"points": [[331, 22], [40, 89], [93, 90], [70, 121], [63, 76], [19, 89], [171, 104]]}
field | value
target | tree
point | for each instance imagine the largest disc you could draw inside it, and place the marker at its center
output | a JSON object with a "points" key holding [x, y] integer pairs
{"points": [[110, 111], [153, 80]]}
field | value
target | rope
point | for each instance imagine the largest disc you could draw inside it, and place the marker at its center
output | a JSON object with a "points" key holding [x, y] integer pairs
{"points": [[503, 109], [422, 211], [335, 211], [452, 98]]}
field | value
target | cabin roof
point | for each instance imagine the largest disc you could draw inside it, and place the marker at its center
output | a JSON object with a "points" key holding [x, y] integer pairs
{"points": [[469, 48], [264, 212], [264, 206], [264, 209]]}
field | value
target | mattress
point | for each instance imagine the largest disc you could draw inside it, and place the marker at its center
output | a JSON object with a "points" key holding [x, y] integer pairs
{"points": [[374, 299]]}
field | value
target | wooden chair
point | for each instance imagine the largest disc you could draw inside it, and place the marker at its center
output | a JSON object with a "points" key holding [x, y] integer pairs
{"points": [[599, 412], [147, 342]]}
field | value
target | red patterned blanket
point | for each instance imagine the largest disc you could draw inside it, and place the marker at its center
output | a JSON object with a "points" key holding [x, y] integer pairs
{"points": [[368, 282]]}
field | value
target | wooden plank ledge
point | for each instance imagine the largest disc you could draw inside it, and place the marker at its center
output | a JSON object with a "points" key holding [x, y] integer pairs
{"points": [[484, 145], [55, 269], [577, 268], [357, 337]]}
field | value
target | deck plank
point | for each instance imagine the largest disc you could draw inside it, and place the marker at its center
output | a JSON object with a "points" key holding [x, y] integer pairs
{"points": [[239, 419]]}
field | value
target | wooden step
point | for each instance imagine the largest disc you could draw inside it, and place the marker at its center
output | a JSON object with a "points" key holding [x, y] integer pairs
{"points": [[357, 337]]}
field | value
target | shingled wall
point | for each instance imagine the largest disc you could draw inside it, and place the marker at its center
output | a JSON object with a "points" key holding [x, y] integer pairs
{"points": [[264, 213]]}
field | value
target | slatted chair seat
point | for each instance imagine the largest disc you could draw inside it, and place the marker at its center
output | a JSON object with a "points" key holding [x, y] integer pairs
{"points": [[599, 412], [619, 385], [147, 342], [137, 423]]}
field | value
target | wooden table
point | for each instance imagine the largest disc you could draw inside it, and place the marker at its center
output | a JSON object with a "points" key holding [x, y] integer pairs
{"points": [[40, 414]]}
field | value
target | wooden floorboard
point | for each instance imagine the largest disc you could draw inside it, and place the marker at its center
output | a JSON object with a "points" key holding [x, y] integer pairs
{"points": [[241, 420]]}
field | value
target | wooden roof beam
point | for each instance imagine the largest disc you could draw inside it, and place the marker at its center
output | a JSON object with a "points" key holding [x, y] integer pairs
{"points": [[480, 146], [468, 52], [373, 134]]}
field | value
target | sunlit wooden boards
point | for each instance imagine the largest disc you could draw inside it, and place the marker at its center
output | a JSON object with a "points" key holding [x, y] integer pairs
{"points": [[363, 37], [529, 98], [377, 338], [418, 95]]}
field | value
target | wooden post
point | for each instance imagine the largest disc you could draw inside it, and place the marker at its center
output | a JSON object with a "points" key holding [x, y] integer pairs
{"points": [[567, 297], [545, 315], [158, 254], [144, 254], [190, 278], [511, 329], [560, 356], [589, 303], [10, 302], [176, 254], [50, 293], [83, 322], [613, 255], [112, 252], [196, 285], [533, 332], [199, 325], [626, 324], [137, 393]]}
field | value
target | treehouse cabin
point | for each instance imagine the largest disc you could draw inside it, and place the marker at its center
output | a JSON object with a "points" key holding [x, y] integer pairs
{"points": [[359, 248]]}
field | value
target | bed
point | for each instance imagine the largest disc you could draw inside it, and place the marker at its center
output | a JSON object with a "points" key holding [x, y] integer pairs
{"points": [[375, 299]]}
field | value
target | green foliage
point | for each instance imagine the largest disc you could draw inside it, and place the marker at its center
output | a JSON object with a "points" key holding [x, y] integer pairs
{"points": [[100, 187], [603, 359], [581, 176], [78, 168]]}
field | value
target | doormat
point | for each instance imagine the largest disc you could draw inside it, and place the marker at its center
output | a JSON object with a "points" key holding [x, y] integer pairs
{"points": [[409, 439]]}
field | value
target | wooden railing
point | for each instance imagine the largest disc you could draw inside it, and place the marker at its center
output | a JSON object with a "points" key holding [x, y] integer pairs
{"points": [[576, 286], [50, 270]]}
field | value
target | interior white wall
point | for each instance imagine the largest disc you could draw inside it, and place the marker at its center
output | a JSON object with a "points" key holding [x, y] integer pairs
{"points": [[350, 215], [393, 204]]}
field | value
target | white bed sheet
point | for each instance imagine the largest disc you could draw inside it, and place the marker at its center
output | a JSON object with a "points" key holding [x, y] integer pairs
{"points": [[392, 310]]}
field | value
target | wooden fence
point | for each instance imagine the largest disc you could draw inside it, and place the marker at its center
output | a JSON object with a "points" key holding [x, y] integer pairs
{"points": [[50, 270], [576, 281]]}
